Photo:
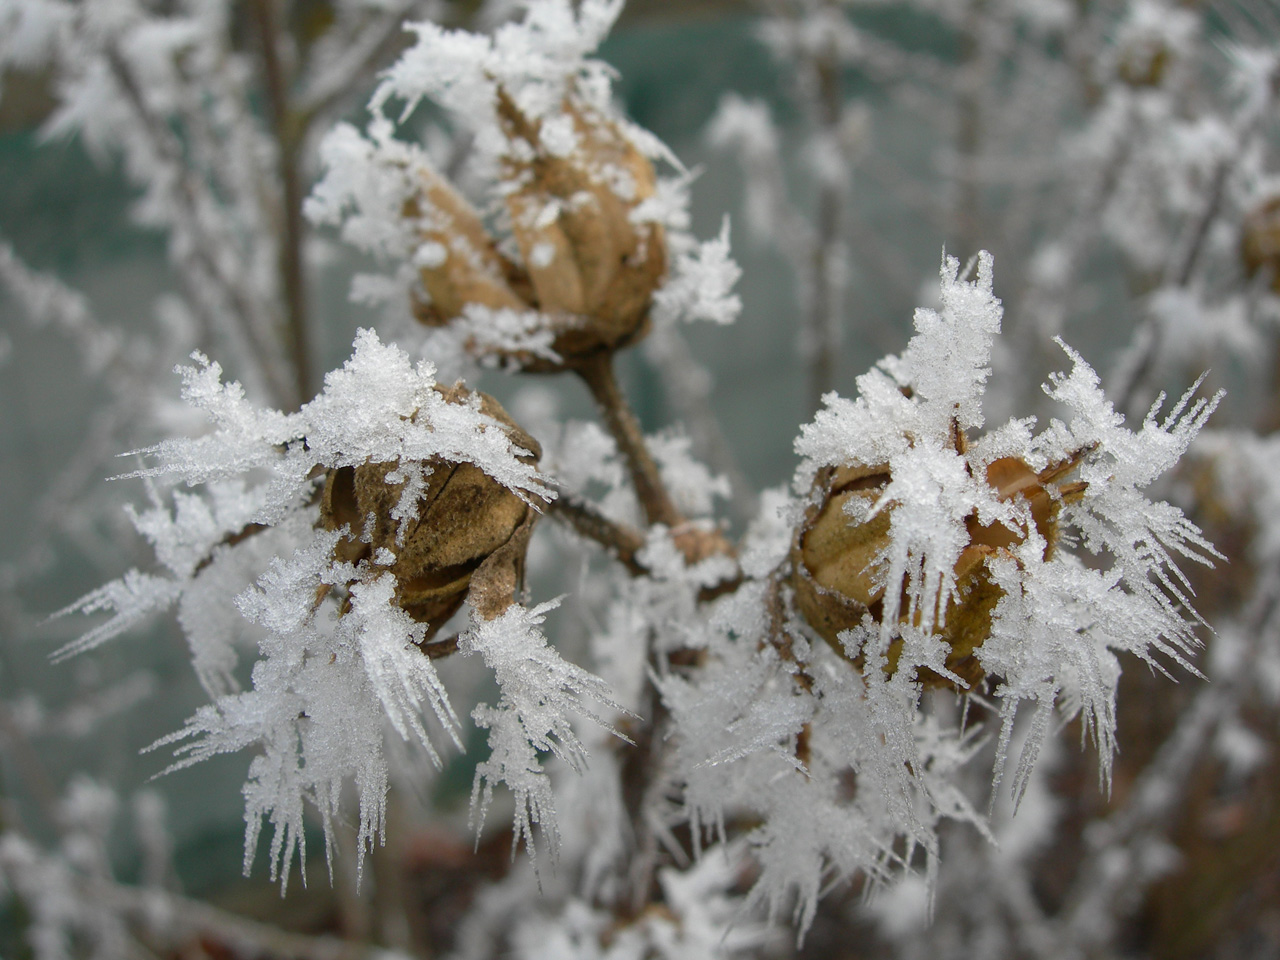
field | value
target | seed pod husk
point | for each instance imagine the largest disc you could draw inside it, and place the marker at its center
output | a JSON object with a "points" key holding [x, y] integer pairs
{"points": [[584, 255], [467, 529], [836, 550]]}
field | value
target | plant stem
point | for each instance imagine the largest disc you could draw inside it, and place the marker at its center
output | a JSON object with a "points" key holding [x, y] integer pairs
{"points": [[201, 256], [597, 372], [824, 320], [623, 542], [974, 56], [641, 776], [288, 136], [227, 932]]}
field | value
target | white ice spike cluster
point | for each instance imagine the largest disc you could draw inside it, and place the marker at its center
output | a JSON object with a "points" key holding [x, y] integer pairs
{"points": [[1062, 617], [328, 677]]}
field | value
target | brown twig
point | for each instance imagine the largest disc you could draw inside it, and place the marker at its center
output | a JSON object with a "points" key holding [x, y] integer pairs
{"points": [[596, 371], [622, 541], [441, 648], [288, 130], [185, 919]]}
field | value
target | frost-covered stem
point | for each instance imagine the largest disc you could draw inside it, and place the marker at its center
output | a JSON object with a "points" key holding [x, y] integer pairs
{"points": [[622, 541], [689, 385], [824, 321], [288, 128], [202, 255], [597, 372], [1136, 367], [28, 761], [376, 46], [641, 776], [1200, 232], [970, 92], [1077, 237]]}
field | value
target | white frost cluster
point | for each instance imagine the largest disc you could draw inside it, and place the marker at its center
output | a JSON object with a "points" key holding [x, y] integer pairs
{"points": [[850, 771], [540, 691], [325, 684], [701, 285], [1060, 621]]}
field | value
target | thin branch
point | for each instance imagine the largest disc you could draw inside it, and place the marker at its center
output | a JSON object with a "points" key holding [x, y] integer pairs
{"points": [[239, 935], [597, 372], [1107, 889], [822, 340], [441, 648], [288, 136], [375, 47], [689, 385], [622, 541], [244, 313]]}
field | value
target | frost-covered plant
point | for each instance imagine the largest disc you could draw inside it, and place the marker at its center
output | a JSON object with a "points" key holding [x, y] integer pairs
{"points": [[830, 697]]}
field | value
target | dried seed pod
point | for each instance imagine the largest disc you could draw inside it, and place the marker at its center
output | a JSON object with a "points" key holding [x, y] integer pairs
{"points": [[836, 550], [462, 533], [459, 261], [571, 218], [1260, 241], [586, 265]]}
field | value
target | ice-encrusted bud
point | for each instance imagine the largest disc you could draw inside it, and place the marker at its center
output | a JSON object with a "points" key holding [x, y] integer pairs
{"points": [[578, 181], [445, 530], [836, 555], [571, 184], [458, 262]]}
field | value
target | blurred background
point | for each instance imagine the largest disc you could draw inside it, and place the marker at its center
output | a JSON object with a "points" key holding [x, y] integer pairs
{"points": [[1105, 153]]}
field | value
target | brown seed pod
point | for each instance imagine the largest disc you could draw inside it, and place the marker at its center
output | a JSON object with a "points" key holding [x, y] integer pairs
{"points": [[834, 556], [586, 265], [466, 533], [571, 218]]}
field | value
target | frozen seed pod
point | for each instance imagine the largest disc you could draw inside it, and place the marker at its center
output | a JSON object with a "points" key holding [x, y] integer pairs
{"points": [[837, 550], [577, 181], [437, 526], [587, 270]]}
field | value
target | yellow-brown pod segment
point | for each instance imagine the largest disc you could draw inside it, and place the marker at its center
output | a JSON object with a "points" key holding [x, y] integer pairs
{"points": [[585, 257], [470, 269], [834, 554]]}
